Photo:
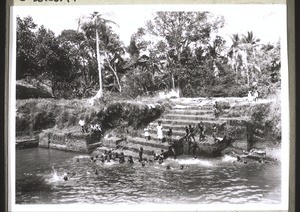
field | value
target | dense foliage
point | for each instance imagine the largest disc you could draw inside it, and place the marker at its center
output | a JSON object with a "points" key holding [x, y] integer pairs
{"points": [[34, 115], [175, 50]]}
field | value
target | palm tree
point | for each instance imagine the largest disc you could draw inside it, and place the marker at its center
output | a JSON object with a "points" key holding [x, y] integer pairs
{"points": [[250, 42], [249, 38], [235, 40], [95, 22], [241, 51], [234, 54]]}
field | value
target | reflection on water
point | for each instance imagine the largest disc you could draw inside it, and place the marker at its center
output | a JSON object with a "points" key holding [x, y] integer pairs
{"points": [[200, 181]]}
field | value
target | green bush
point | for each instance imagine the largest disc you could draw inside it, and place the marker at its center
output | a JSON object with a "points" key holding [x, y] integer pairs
{"points": [[228, 91], [63, 118], [23, 124], [27, 108], [136, 115], [43, 120], [72, 120], [223, 105]]}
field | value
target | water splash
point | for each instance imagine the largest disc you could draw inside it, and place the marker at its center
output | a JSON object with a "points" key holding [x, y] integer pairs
{"points": [[55, 176], [228, 158], [193, 161], [110, 163], [82, 156]]}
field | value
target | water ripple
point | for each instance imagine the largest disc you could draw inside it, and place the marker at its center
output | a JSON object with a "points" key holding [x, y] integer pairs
{"points": [[200, 181]]}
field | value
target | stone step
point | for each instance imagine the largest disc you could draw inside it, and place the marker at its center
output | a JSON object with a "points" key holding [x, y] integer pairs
{"points": [[126, 152], [189, 117], [136, 148], [140, 140], [185, 122], [153, 135], [94, 145], [180, 134], [179, 130], [208, 120], [191, 111], [194, 107], [27, 143], [180, 126]]}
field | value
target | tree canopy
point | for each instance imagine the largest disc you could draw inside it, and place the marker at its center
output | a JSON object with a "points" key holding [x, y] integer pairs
{"points": [[174, 50]]}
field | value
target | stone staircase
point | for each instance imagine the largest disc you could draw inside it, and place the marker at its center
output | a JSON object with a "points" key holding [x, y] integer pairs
{"points": [[183, 115], [176, 119]]}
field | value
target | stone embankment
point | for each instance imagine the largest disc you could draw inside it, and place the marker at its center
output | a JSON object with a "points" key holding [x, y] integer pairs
{"points": [[27, 142], [74, 141], [176, 119], [232, 119]]}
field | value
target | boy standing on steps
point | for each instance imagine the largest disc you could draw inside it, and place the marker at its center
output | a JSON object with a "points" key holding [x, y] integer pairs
{"points": [[82, 125], [141, 154], [188, 137], [159, 131], [216, 110], [214, 131], [169, 134], [192, 133], [201, 131], [147, 136], [187, 132]]}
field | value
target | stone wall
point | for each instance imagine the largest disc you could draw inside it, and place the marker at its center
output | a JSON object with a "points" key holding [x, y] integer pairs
{"points": [[71, 141]]}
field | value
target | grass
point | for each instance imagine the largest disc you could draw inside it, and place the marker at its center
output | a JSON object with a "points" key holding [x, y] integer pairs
{"points": [[119, 114], [39, 114]]}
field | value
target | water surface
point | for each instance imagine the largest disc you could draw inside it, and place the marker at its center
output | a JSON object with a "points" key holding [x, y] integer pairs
{"points": [[201, 180]]}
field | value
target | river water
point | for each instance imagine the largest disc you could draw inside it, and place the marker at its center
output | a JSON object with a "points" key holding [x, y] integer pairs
{"points": [[39, 180]]}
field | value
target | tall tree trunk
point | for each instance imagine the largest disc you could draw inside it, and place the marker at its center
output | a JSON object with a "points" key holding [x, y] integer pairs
{"points": [[173, 81], [99, 65], [114, 72], [236, 74], [248, 78]]}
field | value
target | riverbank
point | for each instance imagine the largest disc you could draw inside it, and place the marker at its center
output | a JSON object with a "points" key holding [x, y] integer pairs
{"points": [[113, 183], [124, 120]]}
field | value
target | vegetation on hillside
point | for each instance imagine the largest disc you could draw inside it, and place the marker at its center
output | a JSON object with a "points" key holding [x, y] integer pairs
{"points": [[181, 50], [174, 50], [34, 115]]}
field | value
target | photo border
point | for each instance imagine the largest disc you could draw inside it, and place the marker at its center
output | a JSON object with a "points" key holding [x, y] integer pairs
{"points": [[291, 68]]}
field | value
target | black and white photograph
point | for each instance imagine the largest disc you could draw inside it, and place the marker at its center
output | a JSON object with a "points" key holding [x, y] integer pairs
{"points": [[149, 108]]}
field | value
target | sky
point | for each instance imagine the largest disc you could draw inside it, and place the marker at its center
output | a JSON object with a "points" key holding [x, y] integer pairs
{"points": [[268, 22]]}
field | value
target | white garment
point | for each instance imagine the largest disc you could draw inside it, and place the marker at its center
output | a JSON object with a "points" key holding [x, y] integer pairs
{"points": [[97, 127], [256, 94], [81, 122], [146, 132], [159, 132]]}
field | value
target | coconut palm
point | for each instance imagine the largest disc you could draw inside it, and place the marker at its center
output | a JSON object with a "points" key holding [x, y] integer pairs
{"points": [[242, 52], [95, 23], [249, 38], [235, 40]]}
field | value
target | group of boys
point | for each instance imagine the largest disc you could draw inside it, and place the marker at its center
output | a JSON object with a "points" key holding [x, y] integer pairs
{"points": [[95, 127]]}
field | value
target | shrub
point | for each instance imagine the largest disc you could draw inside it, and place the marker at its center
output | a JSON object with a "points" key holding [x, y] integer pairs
{"points": [[125, 114], [43, 120], [27, 108], [63, 118], [223, 105], [228, 91], [23, 124], [72, 120]]}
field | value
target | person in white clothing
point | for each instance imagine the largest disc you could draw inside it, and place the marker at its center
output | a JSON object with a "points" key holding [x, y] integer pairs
{"points": [[147, 135], [82, 125], [159, 131], [255, 95], [250, 98]]}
